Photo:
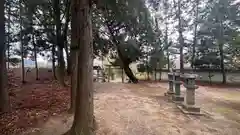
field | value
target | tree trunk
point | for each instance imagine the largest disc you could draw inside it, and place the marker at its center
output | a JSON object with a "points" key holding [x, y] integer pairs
{"points": [[34, 48], [53, 62], [65, 30], [221, 43], [69, 63], [83, 118], [22, 47], [129, 73], [35, 57], [4, 99], [222, 64], [73, 81], [8, 37], [148, 74], [122, 75], [73, 72], [180, 32], [195, 35], [60, 44], [168, 61], [155, 74], [61, 66], [125, 64]]}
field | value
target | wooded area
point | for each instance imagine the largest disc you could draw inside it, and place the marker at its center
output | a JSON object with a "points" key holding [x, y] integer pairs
{"points": [[151, 33]]}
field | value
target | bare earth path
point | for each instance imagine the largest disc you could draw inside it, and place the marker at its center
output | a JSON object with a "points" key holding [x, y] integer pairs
{"points": [[141, 109]]}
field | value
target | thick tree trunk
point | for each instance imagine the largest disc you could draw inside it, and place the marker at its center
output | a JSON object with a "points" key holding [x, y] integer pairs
{"points": [[82, 39], [53, 62], [129, 73], [4, 99], [224, 80], [148, 73], [60, 44], [35, 57], [22, 47], [8, 38], [34, 49], [155, 74], [69, 63], [195, 35], [180, 32], [122, 75], [73, 72], [221, 43], [61, 67], [65, 31], [125, 64], [73, 81], [181, 59], [168, 60]]}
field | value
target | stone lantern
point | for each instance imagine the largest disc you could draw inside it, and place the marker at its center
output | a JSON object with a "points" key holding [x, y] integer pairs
{"points": [[177, 98], [189, 105], [170, 82]]}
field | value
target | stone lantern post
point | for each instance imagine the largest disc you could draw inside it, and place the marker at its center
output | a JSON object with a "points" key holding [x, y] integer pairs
{"points": [[170, 82], [189, 105], [177, 98]]}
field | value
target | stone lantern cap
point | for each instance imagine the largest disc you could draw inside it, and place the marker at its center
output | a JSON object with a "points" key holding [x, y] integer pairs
{"points": [[189, 81]]}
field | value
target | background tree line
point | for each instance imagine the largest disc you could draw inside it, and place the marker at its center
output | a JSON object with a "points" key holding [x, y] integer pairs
{"points": [[204, 33]]}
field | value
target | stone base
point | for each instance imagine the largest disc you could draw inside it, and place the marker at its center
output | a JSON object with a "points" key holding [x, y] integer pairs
{"points": [[188, 109], [169, 93]]}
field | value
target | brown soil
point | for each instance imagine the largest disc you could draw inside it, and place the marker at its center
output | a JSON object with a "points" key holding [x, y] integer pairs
{"points": [[141, 109]]}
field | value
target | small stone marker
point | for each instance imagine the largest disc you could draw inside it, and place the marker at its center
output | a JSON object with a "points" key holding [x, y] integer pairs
{"points": [[177, 98], [189, 106], [170, 82]]}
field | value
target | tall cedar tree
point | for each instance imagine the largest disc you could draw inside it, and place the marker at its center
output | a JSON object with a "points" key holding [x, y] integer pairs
{"points": [[83, 44], [4, 99]]}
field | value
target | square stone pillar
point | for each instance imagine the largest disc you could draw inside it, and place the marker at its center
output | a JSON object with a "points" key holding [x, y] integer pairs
{"points": [[177, 98], [190, 85], [170, 82]]}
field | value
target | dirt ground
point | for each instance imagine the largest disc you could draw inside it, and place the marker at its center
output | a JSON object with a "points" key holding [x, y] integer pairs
{"points": [[141, 109]]}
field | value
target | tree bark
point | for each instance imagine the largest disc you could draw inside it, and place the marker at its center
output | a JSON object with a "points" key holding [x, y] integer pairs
{"points": [[73, 72], [221, 43], [195, 35], [222, 65], [60, 44], [4, 99], [129, 73], [35, 57], [73, 81], [8, 37], [34, 47], [69, 63], [53, 62], [82, 39], [155, 74], [125, 64], [61, 66], [122, 70], [65, 31], [22, 47], [180, 32]]}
